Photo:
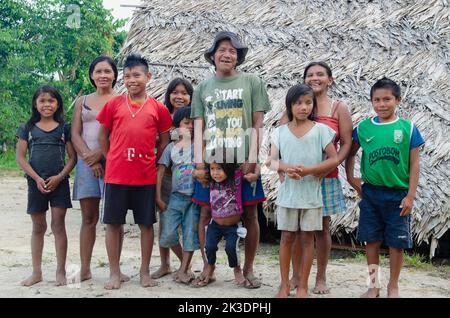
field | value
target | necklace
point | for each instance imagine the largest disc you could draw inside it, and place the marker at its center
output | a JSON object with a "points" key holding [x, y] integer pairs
{"points": [[133, 115]]}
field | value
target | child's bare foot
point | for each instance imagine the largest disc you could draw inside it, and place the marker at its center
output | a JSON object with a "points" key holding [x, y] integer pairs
{"points": [[124, 278], [371, 293], [85, 275], [61, 279], [147, 281], [283, 292], [302, 292], [113, 283], [161, 272], [293, 283], [183, 278], [239, 278], [392, 292], [33, 279], [321, 287]]}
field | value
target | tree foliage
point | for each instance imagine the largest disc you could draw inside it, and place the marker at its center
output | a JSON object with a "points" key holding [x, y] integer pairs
{"points": [[50, 42]]}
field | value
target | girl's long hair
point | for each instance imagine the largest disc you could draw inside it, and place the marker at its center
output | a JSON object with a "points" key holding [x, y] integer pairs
{"points": [[35, 116], [172, 85], [294, 94]]}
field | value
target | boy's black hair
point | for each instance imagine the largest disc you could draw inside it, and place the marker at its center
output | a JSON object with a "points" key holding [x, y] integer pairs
{"points": [[319, 63], [294, 94], [388, 84], [36, 116], [172, 85], [110, 61], [180, 114], [134, 60]]}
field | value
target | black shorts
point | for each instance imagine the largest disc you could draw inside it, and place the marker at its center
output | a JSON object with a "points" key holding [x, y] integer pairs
{"points": [[58, 198], [119, 198]]}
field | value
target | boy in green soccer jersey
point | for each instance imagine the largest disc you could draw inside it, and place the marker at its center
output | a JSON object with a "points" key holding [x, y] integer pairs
{"points": [[390, 174]]}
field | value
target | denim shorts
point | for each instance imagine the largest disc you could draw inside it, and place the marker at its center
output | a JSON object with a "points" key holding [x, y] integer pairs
{"points": [[180, 211], [86, 185], [379, 217], [251, 195]]}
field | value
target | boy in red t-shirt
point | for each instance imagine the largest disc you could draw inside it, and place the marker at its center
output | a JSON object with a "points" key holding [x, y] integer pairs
{"points": [[130, 124]]}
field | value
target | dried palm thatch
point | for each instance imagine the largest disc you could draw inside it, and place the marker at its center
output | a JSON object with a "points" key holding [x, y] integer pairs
{"points": [[408, 41]]}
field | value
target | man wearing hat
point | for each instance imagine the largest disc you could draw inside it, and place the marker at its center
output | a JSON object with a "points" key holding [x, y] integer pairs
{"points": [[228, 109]]}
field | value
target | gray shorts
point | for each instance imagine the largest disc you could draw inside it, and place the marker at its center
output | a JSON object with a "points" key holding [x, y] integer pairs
{"points": [[293, 220], [86, 185]]}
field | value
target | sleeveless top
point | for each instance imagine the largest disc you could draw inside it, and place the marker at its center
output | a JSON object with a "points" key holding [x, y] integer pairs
{"points": [[91, 126], [333, 123], [226, 197]]}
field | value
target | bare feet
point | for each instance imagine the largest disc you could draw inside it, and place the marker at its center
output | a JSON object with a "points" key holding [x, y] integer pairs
{"points": [[284, 291], [321, 287], [371, 293], [239, 278], [61, 279], [33, 279], [293, 283], [207, 279], [184, 278], [147, 281], [302, 292], [161, 272], [124, 278], [392, 292], [204, 274], [85, 275], [113, 283]]}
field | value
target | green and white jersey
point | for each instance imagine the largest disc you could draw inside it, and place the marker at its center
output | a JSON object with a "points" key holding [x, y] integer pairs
{"points": [[386, 149]]}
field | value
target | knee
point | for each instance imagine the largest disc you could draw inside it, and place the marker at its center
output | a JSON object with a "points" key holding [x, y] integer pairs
{"points": [[287, 237], [90, 220], [250, 216], [307, 238], [58, 226], [230, 249], [39, 228]]}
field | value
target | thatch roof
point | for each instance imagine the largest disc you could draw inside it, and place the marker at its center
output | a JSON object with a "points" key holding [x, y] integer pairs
{"points": [[408, 41]]}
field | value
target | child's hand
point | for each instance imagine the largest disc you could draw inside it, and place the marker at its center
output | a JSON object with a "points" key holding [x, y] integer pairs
{"points": [[162, 206], [251, 177], [92, 157], [281, 176], [42, 186], [52, 182], [356, 184], [97, 170], [406, 205], [202, 176], [293, 173], [302, 170]]}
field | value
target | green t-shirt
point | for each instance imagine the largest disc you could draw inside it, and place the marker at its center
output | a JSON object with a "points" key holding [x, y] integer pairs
{"points": [[386, 149], [227, 105]]}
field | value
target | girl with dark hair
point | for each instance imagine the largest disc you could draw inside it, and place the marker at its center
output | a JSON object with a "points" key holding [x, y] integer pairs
{"points": [[46, 138], [297, 154]]}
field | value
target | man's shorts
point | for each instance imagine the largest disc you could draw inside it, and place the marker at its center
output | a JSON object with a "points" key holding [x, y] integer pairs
{"points": [[86, 185], [251, 195], [120, 198], [294, 220], [58, 198], [379, 217]]}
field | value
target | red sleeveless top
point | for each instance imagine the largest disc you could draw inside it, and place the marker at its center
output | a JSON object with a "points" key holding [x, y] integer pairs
{"points": [[333, 123]]}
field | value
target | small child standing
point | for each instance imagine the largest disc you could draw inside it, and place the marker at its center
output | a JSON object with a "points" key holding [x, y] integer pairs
{"points": [[179, 156], [390, 171], [301, 144], [178, 94], [47, 138], [226, 210]]}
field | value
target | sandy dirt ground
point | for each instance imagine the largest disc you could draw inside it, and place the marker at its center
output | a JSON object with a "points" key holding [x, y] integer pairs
{"points": [[347, 279]]}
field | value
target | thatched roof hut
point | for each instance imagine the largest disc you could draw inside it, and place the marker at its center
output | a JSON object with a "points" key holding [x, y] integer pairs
{"points": [[408, 41]]}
